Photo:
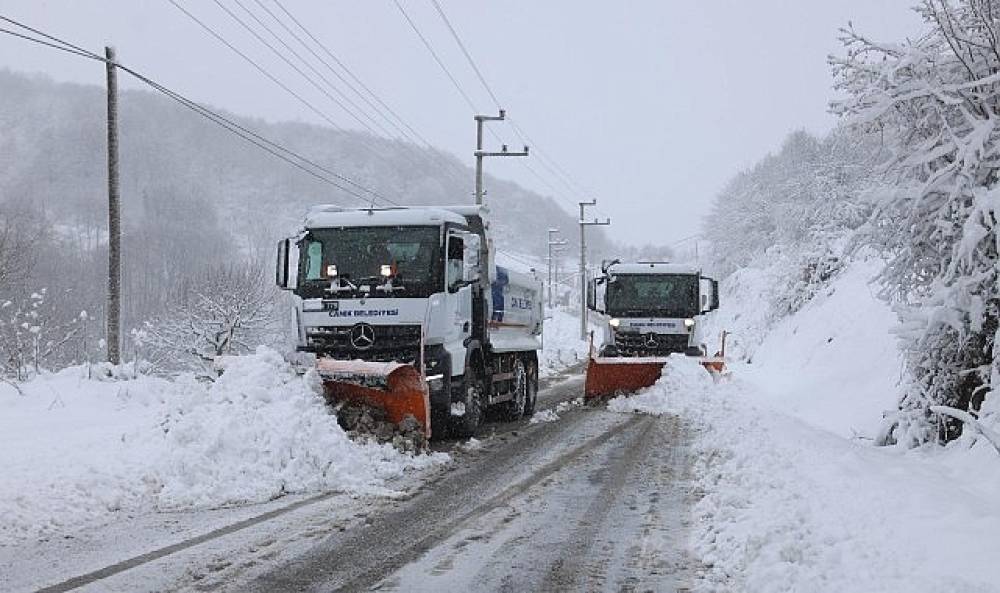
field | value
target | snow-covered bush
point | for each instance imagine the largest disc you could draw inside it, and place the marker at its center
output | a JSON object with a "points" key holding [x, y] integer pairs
{"points": [[35, 334], [935, 101], [223, 310]]}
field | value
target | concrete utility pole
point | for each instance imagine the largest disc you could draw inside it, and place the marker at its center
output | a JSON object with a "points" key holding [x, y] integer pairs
{"points": [[551, 245], [480, 153], [114, 312], [557, 260], [583, 263]]}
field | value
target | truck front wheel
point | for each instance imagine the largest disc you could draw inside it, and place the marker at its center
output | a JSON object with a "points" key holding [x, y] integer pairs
{"points": [[472, 416]]}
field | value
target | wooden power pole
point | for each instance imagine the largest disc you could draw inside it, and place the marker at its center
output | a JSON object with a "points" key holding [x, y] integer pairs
{"points": [[114, 312]]}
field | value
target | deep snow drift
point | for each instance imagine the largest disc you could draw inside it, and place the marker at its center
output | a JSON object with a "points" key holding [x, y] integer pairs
{"points": [[77, 450]]}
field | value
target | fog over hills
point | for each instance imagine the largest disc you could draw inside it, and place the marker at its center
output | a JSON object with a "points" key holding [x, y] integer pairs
{"points": [[178, 168]]}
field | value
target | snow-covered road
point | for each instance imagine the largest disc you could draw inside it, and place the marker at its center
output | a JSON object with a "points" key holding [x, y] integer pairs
{"points": [[593, 501], [583, 475]]}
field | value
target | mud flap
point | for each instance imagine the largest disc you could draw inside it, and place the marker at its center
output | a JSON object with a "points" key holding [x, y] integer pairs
{"points": [[397, 388]]}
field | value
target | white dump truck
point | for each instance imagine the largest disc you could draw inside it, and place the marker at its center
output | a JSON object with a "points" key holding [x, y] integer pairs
{"points": [[648, 311], [405, 308]]}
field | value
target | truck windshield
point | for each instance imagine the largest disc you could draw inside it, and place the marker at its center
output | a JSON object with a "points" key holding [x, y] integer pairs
{"points": [[352, 257], [653, 295]]}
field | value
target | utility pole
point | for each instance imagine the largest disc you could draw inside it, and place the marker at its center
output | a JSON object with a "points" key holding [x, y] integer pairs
{"points": [[114, 311], [551, 245], [480, 152], [583, 263]]}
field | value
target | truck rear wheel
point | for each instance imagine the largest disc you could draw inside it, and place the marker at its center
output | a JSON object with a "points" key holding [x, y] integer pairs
{"points": [[516, 407], [467, 424], [532, 398]]}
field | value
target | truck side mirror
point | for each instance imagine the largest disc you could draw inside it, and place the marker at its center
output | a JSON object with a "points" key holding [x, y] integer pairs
{"points": [[715, 295], [470, 258], [592, 295], [281, 275]]}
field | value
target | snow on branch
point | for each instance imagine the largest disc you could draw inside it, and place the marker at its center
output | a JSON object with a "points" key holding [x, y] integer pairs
{"points": [[935, 103], [990, 435]]}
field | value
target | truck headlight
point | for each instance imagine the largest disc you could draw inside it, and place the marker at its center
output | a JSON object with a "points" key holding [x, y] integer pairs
{"points": [[689, 323], [614, 322]]}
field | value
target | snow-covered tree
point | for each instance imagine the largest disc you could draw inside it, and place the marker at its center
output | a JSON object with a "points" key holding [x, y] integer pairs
{"points": [[229, 309], [935, 102]]}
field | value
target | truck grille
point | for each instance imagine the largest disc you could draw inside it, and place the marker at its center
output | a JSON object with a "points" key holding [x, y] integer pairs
{"points": [[399, 343], [635, 344]]}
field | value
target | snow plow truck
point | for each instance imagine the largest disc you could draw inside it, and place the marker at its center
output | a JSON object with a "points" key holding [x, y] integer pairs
{"points": [[405, 310], [648, 311]]}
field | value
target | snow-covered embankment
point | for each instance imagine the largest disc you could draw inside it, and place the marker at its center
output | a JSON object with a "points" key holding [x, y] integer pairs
{"points": [[791, 496], [77, 450]]}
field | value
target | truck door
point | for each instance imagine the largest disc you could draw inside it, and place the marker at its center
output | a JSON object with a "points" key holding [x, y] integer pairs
{"points": [[457, 318]]}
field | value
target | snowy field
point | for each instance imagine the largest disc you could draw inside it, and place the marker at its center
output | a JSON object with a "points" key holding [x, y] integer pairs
{"points": [[791, 495], [78, 451]]}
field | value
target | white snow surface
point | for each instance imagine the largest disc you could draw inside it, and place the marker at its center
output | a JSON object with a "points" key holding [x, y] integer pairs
{"points": [[544, 416], [786, 506], [792, 495], [561, 343], [834, 363], [77, 450]]}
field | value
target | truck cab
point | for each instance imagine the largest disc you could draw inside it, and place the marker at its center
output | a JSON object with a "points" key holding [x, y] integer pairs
{"points": [[417, 286], [651, 309]]}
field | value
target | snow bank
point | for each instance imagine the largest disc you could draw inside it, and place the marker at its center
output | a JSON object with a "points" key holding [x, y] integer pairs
{"points": [[679, 374], [562, 346], [785, 506], [75, 450], [834, 363]]}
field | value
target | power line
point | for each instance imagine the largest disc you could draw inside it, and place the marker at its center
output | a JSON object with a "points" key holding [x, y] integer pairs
{"points": [[237, 129], [434, 54], [447, 167], [468, 56], [308, 79], [544, 161], [322, 61], [258, 67], [364, 141]]}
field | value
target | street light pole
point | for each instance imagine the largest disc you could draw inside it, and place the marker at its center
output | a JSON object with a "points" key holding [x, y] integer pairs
{"points": [[552, 244], [583, 263]]}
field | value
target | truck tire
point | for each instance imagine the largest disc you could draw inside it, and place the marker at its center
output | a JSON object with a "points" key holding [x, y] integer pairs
{"points": [[466, 425], [515, 408], [532, 399]]}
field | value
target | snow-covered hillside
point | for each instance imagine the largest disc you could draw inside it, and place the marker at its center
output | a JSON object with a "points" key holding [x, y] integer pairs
{"points": [[834, 363]]}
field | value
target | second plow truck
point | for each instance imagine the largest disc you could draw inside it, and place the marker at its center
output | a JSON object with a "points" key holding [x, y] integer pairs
{"points": [[406, 311], [649, 310]]}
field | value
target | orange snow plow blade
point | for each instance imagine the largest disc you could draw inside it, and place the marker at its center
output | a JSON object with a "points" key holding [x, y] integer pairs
{"points": [[397, 388], [610, 375]]}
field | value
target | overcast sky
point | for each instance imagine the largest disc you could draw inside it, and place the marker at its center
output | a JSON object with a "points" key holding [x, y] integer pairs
{"points": [[648, 106]]}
